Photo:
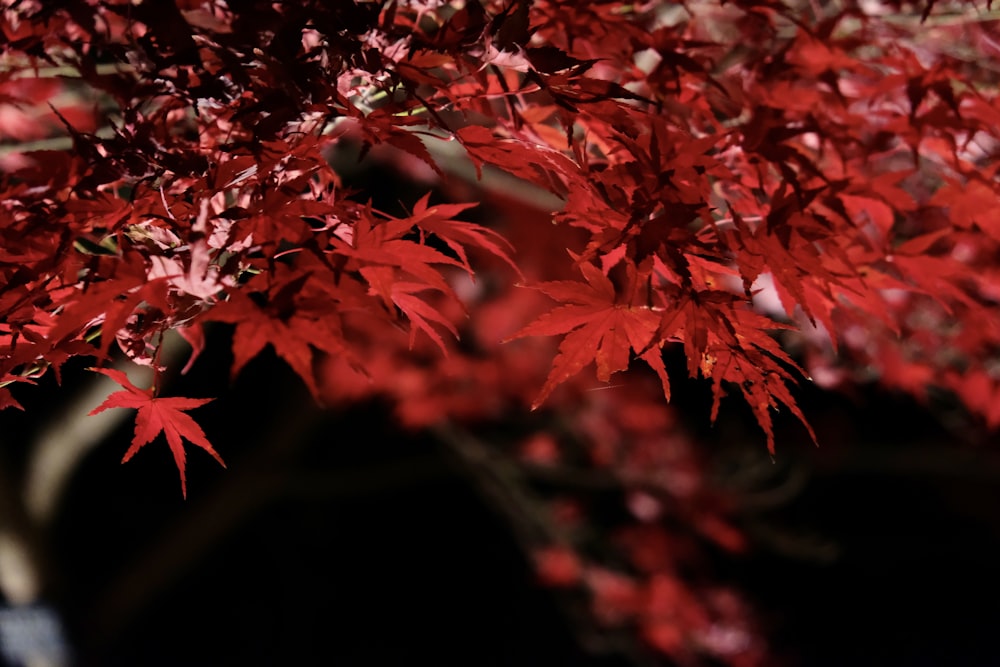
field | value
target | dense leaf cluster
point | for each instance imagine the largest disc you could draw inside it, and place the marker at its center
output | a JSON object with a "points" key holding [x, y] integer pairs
{"points": [[782, 190]]}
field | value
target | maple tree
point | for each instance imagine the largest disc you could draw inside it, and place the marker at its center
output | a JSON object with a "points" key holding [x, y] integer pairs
{"points": [[779, 191]]}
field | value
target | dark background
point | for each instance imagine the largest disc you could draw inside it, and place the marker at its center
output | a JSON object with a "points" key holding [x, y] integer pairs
{"points": [[333, 539]]}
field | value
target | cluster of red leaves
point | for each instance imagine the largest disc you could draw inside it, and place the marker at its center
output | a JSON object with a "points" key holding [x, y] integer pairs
{"points": [[764, 185]]}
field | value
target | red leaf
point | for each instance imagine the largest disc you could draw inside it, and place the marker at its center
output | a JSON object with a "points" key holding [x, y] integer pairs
{"points": [[7, 400], [597, 329], [420, 313], [458, 234], [158, 415], [558, 566], [542, 166], [284, 324]]}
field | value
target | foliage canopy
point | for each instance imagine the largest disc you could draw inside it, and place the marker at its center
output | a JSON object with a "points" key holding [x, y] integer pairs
{"points": [[782, 190]]}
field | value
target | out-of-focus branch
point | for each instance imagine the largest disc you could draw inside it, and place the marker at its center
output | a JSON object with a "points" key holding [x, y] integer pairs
{"points": [[63, 143], [21, 576], [504, 486]]}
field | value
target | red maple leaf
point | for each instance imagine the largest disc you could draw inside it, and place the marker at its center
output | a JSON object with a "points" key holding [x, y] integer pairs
{"points": [[156, 415], [458, 234], [290, 322], [598, 327]]}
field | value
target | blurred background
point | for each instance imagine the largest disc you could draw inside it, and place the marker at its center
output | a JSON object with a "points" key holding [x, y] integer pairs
{"points": [[334, 538]]}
